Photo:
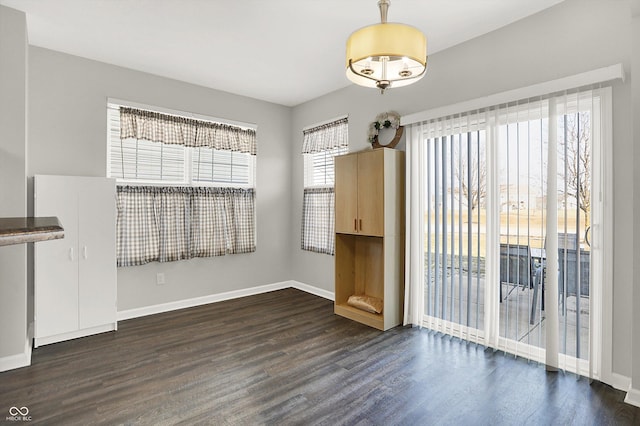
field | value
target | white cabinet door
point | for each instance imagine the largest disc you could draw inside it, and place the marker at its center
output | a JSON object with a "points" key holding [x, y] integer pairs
{"points": [[56, 262], [97, 247], [75, 277]]}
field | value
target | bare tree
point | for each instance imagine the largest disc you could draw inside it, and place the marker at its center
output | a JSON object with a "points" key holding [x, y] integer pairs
{"points": [[471, 172], [575, 167]]}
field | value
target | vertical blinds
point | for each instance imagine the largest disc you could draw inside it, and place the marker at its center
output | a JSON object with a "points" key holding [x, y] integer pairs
{"points": [[455, 201], [505, 258]]}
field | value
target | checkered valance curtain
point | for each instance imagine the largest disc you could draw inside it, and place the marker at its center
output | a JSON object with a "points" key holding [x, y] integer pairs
{"points": [[326, 137], [171, 129], [174, 223], [318, 220]]}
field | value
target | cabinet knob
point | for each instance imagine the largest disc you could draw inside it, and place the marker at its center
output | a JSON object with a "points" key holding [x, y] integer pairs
{"points": [[361, 224], [85, 253], [71, 254], [355, 224]]}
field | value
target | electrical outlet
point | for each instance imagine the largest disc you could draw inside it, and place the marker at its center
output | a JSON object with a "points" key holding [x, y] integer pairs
{"points": [[160, 278]]}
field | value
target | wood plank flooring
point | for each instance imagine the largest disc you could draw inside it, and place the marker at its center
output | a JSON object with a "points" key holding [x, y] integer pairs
{"points": [[285, 358]]}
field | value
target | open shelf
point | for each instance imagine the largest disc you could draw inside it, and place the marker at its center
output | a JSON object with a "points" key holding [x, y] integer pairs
{"points": [[364, 317], [360, 270]]}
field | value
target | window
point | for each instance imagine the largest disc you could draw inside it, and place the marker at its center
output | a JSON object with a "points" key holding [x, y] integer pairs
{"points": [[221, 167], [319, 169], [320, 145], [136, 160], [185, 186]]}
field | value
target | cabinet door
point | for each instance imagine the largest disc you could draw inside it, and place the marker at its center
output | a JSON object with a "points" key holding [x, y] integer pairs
{"points": [[56, 261], [346, 192], [371, 192], [96, 244]]}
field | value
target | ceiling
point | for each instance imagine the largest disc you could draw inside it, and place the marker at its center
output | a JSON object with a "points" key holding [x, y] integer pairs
{"points": [[281, 51]]}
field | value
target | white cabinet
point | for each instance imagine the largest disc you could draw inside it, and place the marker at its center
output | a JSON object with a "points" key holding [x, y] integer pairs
{"points": [[75, 277]]}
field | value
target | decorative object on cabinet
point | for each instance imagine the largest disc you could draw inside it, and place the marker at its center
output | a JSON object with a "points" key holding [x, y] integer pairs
{"points": [[369, 258], [386, 120], [75, 277]]}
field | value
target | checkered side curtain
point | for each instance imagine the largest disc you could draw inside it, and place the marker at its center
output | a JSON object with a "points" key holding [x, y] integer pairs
{"points": [[173, 223], [318, 219], [171, 129], [222, 221], [326, 137]]}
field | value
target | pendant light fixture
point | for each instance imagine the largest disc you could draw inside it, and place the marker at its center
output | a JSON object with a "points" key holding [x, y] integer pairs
{"points": [[386, 55]]}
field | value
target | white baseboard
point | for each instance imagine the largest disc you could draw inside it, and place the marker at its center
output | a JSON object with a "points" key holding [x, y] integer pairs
{"points": [[620, 382], [28, 345], [623, 383], [12, 362], [633, 397], [47, 340], [197, 301], [313, 290], [20, 360], [212, 298]]}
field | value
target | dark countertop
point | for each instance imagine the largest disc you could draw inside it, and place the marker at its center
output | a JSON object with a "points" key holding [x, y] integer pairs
{"points": [[18, 230]]}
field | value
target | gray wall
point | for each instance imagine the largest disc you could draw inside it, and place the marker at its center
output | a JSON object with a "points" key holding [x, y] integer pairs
{"points": [[635, 83], [572, 37], [67, 129], [13, 190]]}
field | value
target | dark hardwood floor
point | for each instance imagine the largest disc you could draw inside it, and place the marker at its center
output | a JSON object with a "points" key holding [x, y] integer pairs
{"points": [[285, 358]]}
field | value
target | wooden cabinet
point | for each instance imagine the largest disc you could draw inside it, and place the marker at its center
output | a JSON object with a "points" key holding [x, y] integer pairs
{"points": [[369, 251], [359, 190], [75, 277], [346, 193]]}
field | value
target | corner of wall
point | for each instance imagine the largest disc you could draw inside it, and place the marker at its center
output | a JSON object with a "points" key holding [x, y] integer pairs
{"points": [[633, 397], [19, 360], [13, 193], [313, 290]]}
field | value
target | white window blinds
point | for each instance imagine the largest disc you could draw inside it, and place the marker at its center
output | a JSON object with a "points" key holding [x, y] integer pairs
{"points": [[138, 160], [215, 166], [141, 160], [319, 168]]}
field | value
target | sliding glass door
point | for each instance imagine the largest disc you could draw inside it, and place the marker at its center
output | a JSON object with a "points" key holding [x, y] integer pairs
{"points": [[455, 183], [521, 158], [492, 227]]}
